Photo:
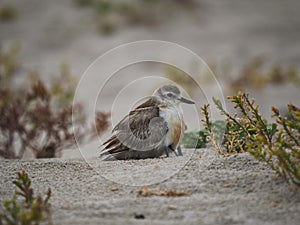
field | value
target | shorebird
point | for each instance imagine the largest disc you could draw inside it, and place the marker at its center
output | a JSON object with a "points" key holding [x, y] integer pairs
{"points": [[153, 128]]}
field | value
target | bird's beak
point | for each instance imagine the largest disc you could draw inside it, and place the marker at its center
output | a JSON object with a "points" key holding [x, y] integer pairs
{"points": [[184, 100]]}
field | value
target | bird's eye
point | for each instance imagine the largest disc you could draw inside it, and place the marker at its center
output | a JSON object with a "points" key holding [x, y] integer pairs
{"points": [[170, 95]]}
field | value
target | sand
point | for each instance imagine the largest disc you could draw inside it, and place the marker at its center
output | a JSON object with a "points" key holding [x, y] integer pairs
{"points": [[233, 190]]}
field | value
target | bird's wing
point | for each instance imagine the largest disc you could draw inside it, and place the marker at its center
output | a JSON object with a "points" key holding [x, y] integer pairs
{"points": [[142, 129], [146, 107]]}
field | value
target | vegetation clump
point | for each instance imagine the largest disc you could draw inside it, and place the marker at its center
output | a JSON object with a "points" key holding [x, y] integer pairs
{"points": [[26, 208], [36, 116], [275, 143]]}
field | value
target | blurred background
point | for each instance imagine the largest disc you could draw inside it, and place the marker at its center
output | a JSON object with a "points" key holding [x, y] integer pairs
{"points": [[249, 45]]}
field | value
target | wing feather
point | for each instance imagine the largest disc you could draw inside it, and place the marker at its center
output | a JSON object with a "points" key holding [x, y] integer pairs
{"points": [[141, 129]]}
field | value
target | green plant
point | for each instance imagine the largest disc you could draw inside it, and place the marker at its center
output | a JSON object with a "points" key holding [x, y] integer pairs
{"points": [[275, 143], [286, 146], [26, 208], [200, 139], [242, 130], [195, 139]]}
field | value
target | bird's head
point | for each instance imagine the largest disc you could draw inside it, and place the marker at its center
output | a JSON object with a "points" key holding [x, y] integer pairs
{"points": [[171, 94]]}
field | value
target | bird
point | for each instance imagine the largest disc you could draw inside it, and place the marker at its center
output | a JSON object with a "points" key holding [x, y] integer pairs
{"points": [[150, 130]]}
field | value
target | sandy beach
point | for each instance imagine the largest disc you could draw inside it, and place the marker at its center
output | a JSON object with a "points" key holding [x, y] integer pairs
{"points": [[233, 190]]}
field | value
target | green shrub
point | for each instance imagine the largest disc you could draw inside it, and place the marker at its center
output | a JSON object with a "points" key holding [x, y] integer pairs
{"points": [[200, 139], [275, 143], [195, 139], [26, 208]]}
